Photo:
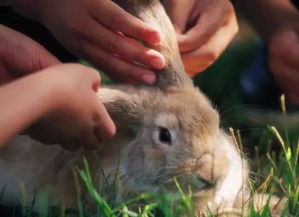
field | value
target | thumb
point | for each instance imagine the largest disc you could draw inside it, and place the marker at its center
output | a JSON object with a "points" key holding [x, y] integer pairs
{"points": [[179, 12], [40, 58]]}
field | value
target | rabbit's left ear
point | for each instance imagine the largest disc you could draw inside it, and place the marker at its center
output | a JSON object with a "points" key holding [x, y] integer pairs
{"points": [[125, 104], [152, 12]]}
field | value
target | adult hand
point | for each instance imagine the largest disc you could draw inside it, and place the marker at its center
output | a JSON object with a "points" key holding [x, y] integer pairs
{"points": [[204, 29], [97, 31], [19, 55], [75, 116]]}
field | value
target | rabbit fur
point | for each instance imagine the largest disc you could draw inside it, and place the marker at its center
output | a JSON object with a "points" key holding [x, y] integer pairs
{"points": [[199, 153]]}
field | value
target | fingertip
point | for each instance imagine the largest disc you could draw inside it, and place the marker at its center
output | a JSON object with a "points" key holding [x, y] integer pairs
{"points": [[153, 36], [106, 132], [148, 78], [158, 62], [183, 43], [111, 130]]}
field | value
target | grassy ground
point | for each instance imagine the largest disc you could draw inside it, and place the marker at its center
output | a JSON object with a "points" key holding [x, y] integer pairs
{"points": [[273, 153]]}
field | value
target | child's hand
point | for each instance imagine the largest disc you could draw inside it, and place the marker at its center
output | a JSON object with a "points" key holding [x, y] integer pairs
{"points": [[97, 31], [284, 61], [76, 116], [204, 27], [19, 55]]}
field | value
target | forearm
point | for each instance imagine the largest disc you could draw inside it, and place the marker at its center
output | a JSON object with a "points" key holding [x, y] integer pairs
{"points": [[267, 16], [22, 102]]}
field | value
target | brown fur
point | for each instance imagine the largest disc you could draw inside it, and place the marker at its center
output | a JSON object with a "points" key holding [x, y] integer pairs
{"points": [[200, 153]]}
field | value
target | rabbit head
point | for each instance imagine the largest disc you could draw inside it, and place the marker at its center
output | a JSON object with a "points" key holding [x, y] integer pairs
{"points": [[174, 133], [172, 130]]}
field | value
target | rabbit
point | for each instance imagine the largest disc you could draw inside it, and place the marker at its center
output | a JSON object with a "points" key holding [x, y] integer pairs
{"points": [[164, 131]]}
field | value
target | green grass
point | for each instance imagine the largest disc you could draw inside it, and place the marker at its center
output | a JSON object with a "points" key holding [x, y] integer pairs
{"points": [[272, 153], [278, 175]]}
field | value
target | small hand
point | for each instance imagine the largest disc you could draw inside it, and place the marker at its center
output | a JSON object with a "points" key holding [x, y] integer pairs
{"points": [[204, 28], [102, 33], [76, 117]]}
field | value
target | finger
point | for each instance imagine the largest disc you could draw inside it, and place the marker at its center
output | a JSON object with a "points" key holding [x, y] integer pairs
{"points": [[207, 25], [114, 17], [102, 121], [45, 59], [123, 46], [113, 64], [95, 78], [90, 142], [192, 72], [23, 55], [200, 59], [124, 79], [178, 12]]}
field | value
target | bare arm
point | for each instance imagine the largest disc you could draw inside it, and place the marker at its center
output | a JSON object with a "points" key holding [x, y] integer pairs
{"points": [[63, 97], [278, 24], [22, 102], [64, 100], [267, 16]]}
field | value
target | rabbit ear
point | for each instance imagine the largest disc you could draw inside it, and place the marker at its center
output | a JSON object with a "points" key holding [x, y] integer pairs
{"points": [[153, 13], [124, 104]]}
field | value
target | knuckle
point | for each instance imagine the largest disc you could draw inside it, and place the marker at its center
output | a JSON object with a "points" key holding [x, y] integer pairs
{"points": [[212, 56], [118, 19], [113, 44]]}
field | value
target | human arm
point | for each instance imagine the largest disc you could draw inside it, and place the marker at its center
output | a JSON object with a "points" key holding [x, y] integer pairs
{"points": [[102, 33], [277, 22], [63, 100], [20, 55], [204, 29], [268, 16]]}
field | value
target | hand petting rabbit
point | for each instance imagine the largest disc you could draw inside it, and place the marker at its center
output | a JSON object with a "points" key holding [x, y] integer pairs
{"points": [[164, 131]]}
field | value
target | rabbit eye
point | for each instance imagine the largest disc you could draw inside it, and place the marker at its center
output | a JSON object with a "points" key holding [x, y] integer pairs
{"points": [[165, 135]]}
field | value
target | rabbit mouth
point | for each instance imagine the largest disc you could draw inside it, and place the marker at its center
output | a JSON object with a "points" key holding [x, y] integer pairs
{"points": [[189, 183]]}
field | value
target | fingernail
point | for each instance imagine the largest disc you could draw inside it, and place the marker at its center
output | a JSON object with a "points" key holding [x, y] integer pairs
{"points": [[148, 78], [155, 37], [157, 63]]}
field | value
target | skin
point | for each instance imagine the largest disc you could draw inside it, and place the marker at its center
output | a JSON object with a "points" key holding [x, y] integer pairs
{"points": [[280, 32], [19, 55], [102, 33], [204, 29], [60, 104]]}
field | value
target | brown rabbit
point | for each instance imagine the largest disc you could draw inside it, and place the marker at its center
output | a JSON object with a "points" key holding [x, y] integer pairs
{"points": [[165, 131]]}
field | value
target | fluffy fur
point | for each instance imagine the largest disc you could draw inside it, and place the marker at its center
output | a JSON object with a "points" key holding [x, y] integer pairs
{"points": [[199, 155]]}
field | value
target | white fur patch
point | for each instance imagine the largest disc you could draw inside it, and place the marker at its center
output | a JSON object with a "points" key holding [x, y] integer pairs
{"points": [[232, 183]]}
